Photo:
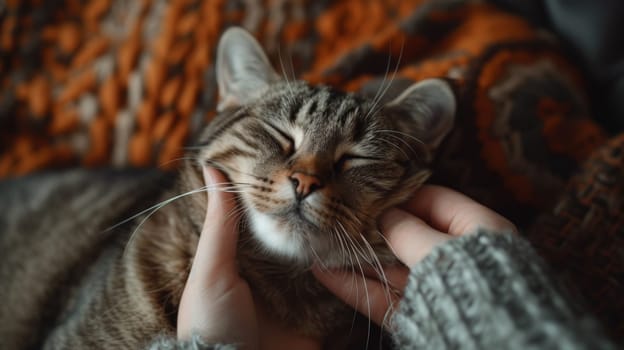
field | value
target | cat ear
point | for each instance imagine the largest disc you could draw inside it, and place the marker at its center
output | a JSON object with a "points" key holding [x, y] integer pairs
{"points": [[431, 105], [243, 69]]}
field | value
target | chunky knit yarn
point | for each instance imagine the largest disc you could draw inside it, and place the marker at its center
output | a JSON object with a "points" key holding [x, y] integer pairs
{"points": [[489, 291], [195, 343]]}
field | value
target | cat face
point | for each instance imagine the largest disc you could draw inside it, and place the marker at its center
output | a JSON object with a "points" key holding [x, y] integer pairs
{"points": [[315, 167]]}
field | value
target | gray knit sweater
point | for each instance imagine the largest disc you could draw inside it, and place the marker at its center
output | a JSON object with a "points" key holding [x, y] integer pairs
{"points": [[480, 291]]}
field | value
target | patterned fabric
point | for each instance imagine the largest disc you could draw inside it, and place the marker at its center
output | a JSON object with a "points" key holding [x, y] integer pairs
{"points": [[130, 83], [583, 236]]}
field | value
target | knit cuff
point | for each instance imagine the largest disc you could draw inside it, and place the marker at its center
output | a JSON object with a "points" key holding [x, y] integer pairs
{"points": [[195, 343], [489, 291]]}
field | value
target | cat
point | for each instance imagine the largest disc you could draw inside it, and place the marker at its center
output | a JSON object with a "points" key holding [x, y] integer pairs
{"points": [[313, 167]]}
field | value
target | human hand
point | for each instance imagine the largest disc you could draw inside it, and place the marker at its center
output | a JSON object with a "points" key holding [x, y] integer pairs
{"points": [[431, 217], [217, 303]]}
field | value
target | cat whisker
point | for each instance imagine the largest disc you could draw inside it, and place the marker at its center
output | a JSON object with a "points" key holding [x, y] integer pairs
{"points": [[368, 304], [394, 137], [385, 325], [159, 206], [391, 308], [352, 258], [387, 319], [387, 242], [356, 215], [288, 84], [154, 207], [292, 67], [167, 201], [388, 142], [353, 245], [351, 213], [396, 69], [344, 261], [367, 258], [343, 249], [356, 249], [377, 267], [322, 266], [225, 168], [403, 134], [381, 86], [237, 211], [390, 133], [381, 274], [176, 160], [375, 264], [219, 166], [384, 89]]}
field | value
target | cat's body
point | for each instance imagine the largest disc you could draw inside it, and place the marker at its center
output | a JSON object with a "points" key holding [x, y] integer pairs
{"points": [[314, 167], [72, 284], [64, 284]]}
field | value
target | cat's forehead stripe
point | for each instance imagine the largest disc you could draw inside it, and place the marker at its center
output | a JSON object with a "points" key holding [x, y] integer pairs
{"points": [[359, 129], [297, 135], [328, 105], [220, 125], [295, 110], [311, 107], [325, 115], [307, 110]]}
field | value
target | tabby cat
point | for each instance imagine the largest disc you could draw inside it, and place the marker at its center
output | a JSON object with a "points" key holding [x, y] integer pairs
{"points": [[314, 167]]}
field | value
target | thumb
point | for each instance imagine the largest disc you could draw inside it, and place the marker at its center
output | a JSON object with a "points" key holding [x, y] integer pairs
{"points": [[410, 237], [216, 250]]}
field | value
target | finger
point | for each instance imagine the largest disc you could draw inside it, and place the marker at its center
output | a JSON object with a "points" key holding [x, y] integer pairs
{"points": [[366, 295], [409, 236], [395, 276], [452, 212], [216, 250]]}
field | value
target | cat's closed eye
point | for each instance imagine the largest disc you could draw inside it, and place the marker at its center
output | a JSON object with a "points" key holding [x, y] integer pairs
{"points": [[285, 141], [348, 160]]}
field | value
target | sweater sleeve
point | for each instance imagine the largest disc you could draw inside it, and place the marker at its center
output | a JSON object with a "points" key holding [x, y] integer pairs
{"points": [[489, 291], [195, 343]]}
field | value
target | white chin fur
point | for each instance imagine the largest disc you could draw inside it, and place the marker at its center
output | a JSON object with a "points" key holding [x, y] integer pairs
{"points": [[274, 238]]}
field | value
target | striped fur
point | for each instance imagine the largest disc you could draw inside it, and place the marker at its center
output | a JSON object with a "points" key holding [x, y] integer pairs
{"points": [[364, 163], [314, 167]]}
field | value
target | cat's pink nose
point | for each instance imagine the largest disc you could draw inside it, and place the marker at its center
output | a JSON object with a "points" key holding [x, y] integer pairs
{"points": [[304, 184]]}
